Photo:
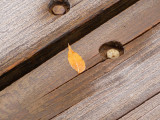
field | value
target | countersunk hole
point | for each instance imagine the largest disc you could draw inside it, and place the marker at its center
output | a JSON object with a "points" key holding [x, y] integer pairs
{"points": [[111, 50], [59, 7]]}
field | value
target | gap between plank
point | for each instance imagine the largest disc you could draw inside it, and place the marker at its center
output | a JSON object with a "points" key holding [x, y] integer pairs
{"points": [[139, 105]]}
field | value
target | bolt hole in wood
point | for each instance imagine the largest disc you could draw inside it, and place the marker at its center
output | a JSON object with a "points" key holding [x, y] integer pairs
{"points": [[111, 50], [59, 7]]}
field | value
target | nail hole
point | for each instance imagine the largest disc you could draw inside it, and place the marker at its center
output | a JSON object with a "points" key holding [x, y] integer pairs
{"points": [[111, 50], [59, 7]]}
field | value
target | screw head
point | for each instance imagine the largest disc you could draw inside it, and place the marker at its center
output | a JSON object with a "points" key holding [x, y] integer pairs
{"points": [[113, 53]]}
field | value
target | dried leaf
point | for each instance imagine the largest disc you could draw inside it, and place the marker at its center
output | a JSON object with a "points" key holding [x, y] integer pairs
{"points": [[75, 60]]}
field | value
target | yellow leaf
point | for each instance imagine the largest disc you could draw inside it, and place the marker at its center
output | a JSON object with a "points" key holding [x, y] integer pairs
{"points": [[75, 60]]}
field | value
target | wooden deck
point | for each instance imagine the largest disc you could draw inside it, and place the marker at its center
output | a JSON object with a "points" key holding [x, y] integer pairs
{"points": [[37, 82]]}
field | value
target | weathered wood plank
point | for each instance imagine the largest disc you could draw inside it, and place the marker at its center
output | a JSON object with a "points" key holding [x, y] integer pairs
{"points": [[57, 71], [61, 43], [27, 26], [150, 110], [113, 93]]}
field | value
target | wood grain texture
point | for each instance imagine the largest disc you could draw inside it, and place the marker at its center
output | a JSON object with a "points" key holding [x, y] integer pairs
{"points": [[115, 92], [18, 99], [27, 26], [61, 42], [150, 110]]}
